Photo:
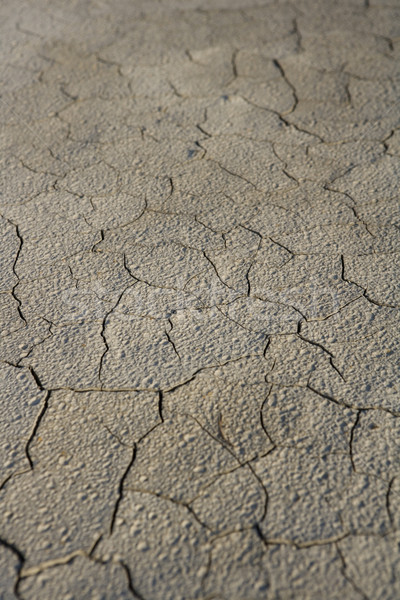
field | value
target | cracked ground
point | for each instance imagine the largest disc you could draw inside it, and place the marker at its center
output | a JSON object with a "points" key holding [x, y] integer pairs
{"points": [[200, 300]]}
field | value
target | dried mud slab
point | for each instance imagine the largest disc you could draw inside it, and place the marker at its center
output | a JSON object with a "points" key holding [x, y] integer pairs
{"points": [[199, 300]]}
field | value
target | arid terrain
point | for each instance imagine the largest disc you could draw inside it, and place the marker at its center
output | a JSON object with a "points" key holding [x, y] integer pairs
{"points": [[200, 332]]}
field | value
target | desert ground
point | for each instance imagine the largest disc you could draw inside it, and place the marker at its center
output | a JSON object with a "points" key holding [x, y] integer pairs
{"points": [[200, 332]]}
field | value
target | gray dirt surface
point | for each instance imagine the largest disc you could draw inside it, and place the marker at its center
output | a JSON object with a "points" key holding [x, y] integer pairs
{"points": [[200, 266]]}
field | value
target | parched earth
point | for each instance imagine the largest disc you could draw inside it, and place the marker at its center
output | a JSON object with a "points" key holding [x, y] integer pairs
{"points": [[200, 227]]}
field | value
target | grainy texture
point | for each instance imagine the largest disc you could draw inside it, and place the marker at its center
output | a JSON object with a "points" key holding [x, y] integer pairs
{"points": [[199, 292]]}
